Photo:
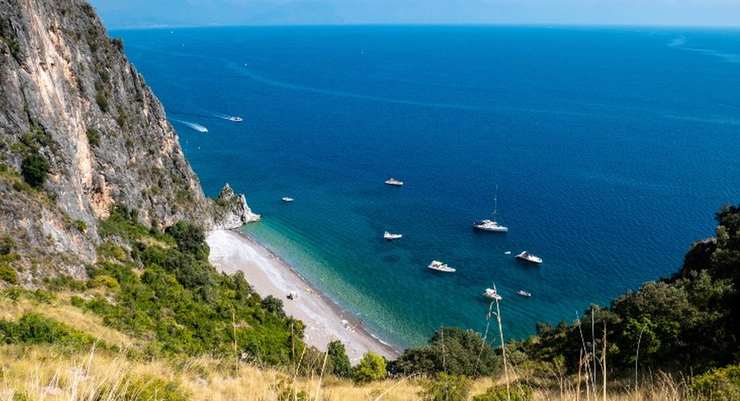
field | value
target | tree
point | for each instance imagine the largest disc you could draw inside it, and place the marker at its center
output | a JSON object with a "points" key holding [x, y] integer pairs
{"points": [[371, 368], [338, 359], [190, 239], [34, 169], [452, 350]]}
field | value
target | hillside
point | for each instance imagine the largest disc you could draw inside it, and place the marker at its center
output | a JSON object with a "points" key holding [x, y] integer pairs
{"points": [[81, 132]]}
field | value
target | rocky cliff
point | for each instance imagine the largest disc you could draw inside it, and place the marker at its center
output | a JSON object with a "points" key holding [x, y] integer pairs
{"points": [[80, 133]]}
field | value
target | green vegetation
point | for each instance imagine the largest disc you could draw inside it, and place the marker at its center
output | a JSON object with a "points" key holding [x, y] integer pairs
{"points": [[117, 44], [451, 350], [13, 46], [446, 387], [339, 364], [93, 137], [165, 287], [687, 322], [499, 393], [32, 328], [102, 100], [150, 388], [7, 257], [722, 384], [34, 169], [370, 368]]}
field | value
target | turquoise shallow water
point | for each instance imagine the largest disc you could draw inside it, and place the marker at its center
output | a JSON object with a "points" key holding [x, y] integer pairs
{"points": [[611, 149]]}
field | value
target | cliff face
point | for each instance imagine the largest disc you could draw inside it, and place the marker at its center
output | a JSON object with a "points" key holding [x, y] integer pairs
{"points": [[72, 105]]}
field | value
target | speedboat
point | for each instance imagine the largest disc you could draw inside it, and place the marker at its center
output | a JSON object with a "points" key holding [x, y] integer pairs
{"points": [[490, 226], [394, 182], [507, 253], [528, 257], [440, 267], [491, 293], [390, 236], [235, 119], [524, 293], [287, 199]]}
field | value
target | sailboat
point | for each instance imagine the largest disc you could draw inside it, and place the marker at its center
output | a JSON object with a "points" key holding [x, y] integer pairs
{"points": [[489, 225]]}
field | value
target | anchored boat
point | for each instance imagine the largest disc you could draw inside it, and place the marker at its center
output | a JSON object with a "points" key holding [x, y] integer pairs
{"points": [[390, 236], [394, 182], [528, 257], [440, 267], [490, 225]]}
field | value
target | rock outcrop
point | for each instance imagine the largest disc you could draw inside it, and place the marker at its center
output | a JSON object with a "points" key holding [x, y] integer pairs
{"points": [[77, 116]]}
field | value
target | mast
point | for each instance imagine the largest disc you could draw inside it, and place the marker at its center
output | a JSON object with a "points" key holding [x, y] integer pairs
{"points": [[495, 201]]}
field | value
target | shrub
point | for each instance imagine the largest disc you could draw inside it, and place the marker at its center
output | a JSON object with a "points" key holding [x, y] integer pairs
{"points": [[117, 43], [149, 388], [34, 169], [6, 245], [498, 393], [273, 305], [370, 368], [102, 100], [33, 328], [722, 384], [93, 137], [80, 225], [190, 238], [8, 274], [339, 362], [446, 388]]}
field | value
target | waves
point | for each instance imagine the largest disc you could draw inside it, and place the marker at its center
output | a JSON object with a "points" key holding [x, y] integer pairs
{"points": [[680, 43], [194, 126]]}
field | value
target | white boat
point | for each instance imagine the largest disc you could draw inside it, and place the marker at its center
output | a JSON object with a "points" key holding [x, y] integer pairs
{"points": [[235, 119], [394, 182], [491, 293], [489, 225], [528, 257], [524, 293], [507, 253], [440, 267], [287, 199], [390, 236]]}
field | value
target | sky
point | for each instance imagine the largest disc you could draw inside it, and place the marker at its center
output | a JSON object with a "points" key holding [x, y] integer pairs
{"points": [[152, 13]]}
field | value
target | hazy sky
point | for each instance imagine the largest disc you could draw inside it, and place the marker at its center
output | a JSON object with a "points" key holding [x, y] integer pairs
{"points": [[142, 13]]}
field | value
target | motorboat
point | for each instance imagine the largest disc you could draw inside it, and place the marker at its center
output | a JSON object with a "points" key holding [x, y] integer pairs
{"points": [[524, 293], [390, 236], [394, 182], [287, 199], [440, 267], [491, 293], [528, 257]]}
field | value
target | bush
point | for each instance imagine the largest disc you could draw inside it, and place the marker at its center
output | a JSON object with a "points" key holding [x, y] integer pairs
{"points": [[102, 100], [446, 388], [498, 393], [80, 225], [190, 238], [117, 43], [34, 169], [6, 246], [370, 368], [452, 350], [721, 384], [273, 305], [33, 328], [149, 388], [93, 137], [339, 362], [8, 274]]}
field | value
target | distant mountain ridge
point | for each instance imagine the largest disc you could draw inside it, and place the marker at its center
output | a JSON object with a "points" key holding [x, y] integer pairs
{"points": [[80, 132]]}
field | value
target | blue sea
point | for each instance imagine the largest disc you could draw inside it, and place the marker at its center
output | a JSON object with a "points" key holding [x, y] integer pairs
{"points": [[611, 149]]}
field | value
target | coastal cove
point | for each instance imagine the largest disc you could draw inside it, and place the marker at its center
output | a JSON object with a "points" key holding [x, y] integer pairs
{"points": [[598, 155]]}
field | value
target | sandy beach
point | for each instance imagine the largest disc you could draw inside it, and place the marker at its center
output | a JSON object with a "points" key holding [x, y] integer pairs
{"points": [[270, 275]]}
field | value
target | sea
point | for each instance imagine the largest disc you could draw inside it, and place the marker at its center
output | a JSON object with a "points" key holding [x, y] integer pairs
{"points": [[609, 151]]}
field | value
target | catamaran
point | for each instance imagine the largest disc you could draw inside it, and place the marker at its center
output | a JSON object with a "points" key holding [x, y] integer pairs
{"points": [[528, 257], [440, 267], [394, 182], [491, 293], [491, 225], [390, 236], [287, 199]]}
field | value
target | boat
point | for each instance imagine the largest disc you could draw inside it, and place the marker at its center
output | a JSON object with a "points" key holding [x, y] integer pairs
{"points": [[490, 225], [528, 257], [394, 182], [491, 293], [390, 236], [235, 119], [524, 293], [507, 253], [287, 199], [440, 267]]}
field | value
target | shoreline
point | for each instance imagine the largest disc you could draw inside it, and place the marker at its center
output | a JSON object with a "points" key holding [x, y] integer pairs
{"points": [[269, 274]]}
